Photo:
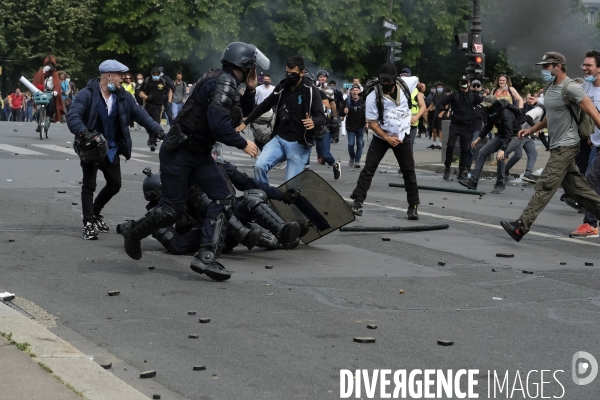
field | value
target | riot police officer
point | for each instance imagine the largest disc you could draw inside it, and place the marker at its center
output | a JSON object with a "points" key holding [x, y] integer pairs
{"points": [[210, 114]]}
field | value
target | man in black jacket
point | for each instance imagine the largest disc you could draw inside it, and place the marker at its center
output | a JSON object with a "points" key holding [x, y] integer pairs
{"points": [[299, 115], [354, 111], [462, 103], [500, 115]]}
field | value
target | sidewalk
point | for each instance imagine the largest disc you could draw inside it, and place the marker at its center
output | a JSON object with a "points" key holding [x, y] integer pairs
{"points": [[50, 368]]}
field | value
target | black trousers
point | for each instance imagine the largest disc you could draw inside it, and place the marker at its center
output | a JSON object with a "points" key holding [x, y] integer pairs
{"points": [[112, 174], [464, 133], [154, 111], [375, 154]]}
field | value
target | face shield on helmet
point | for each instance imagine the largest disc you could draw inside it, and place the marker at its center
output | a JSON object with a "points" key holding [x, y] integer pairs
{"points": [[262, 60]]}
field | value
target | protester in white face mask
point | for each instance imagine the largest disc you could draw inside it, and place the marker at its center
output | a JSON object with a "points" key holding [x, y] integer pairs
{"points": [[503, 90]]}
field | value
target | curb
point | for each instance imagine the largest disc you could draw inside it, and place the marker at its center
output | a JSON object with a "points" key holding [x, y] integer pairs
{"points": [[66, 362]]}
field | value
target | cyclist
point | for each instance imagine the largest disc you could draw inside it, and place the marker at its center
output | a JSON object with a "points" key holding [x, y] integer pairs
{"points": [[47, 77]]}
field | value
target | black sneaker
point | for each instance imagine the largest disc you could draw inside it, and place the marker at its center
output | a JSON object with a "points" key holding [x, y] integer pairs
{"points": [[514, 229], [447, 174], [529, 178], [498, 187], [412, 213], [468, 183], [432, 146], [438, 147], [89, 231], [351, 162], [463, 174], [99, 224], [337, 171], [356, 207]]}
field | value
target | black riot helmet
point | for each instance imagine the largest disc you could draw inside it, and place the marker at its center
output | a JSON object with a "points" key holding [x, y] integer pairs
{"points": [[244, 56], [151, 186], [91, 146]]}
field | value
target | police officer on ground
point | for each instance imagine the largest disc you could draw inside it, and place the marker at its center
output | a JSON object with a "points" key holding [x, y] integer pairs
{"points": [[153, 90], [209, 115], [100, 115]]}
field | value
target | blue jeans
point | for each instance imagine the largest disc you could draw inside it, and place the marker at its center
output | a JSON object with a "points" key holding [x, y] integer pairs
{"points": [[359, 135], [323, 147], [471, 155], [490, 148], [278, 150], [529, 146], [175, 108], [29, 116]]}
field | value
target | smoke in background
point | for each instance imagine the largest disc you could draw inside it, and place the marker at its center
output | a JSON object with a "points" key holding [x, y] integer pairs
{"points": [[529, 28]]}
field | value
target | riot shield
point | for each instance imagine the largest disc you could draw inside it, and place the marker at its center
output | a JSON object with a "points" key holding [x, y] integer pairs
{"points": [[318, 204]]}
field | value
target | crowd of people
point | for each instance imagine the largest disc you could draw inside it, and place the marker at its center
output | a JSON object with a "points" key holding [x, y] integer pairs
{"points": [[306, 113]]}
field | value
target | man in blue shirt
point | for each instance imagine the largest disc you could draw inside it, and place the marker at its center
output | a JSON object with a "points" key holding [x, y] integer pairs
{"points": [[103, 106]]}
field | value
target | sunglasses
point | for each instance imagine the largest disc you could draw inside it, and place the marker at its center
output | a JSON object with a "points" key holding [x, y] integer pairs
{"points": [[476, 86]]}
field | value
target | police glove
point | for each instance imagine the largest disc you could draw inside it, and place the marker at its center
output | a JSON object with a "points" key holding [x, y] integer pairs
{"points": [[149, 98], [160, 135], [290, 196]]}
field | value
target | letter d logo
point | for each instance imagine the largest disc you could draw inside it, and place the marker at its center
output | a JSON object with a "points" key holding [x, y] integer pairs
{"points": [[582, 367]]}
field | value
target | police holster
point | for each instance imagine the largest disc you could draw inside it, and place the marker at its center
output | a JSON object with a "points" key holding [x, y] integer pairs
{"points": [[176, 139]]}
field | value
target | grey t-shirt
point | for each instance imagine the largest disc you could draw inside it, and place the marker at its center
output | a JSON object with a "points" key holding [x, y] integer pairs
{"points": [[562, 128], [179, 92]]}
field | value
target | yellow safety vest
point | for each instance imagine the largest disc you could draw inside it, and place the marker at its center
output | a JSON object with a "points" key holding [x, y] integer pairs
{"points": [[415, 109]]}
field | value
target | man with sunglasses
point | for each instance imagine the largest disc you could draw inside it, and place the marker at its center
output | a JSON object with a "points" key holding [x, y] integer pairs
{"points": [[210, 114]]}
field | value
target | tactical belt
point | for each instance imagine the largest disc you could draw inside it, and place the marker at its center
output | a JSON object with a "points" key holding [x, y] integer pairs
{"points": [[178, 139]]}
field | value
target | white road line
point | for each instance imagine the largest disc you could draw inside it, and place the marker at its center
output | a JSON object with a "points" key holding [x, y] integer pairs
{"points": [[72, 152], [20, 150], [470, 221]]}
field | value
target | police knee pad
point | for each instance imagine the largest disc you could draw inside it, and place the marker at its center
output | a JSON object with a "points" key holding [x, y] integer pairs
{"points": [[254, 197]]}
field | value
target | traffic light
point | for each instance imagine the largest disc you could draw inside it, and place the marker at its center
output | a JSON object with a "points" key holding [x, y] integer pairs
{"points": [[480, 66]]}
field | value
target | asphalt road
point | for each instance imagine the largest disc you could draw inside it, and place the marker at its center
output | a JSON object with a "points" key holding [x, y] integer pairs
{"points": [[286, 333]]}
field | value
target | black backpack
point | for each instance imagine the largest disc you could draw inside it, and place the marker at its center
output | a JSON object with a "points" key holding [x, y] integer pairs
{"points": [[520, 116], [373, 84]]}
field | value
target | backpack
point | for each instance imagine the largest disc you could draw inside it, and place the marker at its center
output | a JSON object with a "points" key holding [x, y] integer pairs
{"points": [[520, 116], [374, 85], [585, 123]]}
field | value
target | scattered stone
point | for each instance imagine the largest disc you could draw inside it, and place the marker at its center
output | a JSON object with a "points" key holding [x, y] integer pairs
{"points": [[563, 263], [496, 298], [148, 374], [199, 367], [151, 267], [441, 263], [526, 271], [385, 239], [114, 293], [505, 255], [15, 130], [372, 326], [430, 204], [268, 267], [204, 320], [444, 198], [62, 191], [522, 189], [74, 203], [445, 342], [191, 312], [364, 339], [7, 296], [352, 170], [156, 396], [11, 240], [58, 170], [193, 336], [401, 291], [493, 270], [106, 365], [16, 154], [589, 264]]}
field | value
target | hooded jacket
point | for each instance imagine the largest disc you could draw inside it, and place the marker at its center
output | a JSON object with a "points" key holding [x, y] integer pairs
{"points": [[83, 115], [505, 121], [314, 108], [38, 80]]}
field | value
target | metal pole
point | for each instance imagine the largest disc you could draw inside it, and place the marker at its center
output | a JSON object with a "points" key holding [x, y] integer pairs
{"points": [[420, 228], [391, 53]]}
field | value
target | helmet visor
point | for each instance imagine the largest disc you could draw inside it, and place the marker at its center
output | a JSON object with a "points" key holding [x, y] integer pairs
{"points": [[261, 59]]}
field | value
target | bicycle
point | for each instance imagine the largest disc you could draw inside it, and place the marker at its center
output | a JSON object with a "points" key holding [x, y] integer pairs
{"points": [[42, 99]]}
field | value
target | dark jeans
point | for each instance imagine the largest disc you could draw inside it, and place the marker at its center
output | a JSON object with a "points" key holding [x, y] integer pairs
{"points": [[112, 174], [490, 148], [154, 111], [168, 112], [583, 156], [375, 154], [464, 133], [16, 114], [528, 145], [473, 153], [357, 136], [412, 136], [181, 168], [323, 147], [593, 178]]}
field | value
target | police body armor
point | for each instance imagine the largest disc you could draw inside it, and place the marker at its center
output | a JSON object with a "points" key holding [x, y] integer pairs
{"points": [[193, 119]]}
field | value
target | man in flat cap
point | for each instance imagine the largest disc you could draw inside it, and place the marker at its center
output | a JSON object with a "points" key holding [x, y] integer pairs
{"points": [[566, 106], [104, 109]]}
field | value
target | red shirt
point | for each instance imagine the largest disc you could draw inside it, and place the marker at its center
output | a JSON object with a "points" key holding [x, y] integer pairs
{"points": [[16, 101]]}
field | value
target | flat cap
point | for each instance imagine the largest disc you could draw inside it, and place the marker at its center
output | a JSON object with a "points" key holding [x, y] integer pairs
{"points": [[112, 66], [553, 57]]}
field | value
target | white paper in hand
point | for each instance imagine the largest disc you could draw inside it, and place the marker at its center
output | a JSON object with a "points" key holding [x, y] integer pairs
{"points": [[397, 122]]}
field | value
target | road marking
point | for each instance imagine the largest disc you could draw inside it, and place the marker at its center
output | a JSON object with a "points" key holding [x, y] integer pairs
{"points": [[72, 152], [20, 150], [470, 221]]}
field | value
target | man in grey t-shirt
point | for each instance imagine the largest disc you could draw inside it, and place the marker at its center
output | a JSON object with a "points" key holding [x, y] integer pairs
{"points": [[561, 168], [178, 94]]}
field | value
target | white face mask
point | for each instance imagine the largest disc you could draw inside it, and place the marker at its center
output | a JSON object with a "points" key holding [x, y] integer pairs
{"points": [[46, 69], [140, 81]]}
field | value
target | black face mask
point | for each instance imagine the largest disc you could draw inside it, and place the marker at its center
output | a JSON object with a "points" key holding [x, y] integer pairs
{"points": [[292, 79], [387, 88]]}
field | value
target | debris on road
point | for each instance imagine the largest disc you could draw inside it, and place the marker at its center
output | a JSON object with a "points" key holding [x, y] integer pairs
{"points": [[385, 239], [194, 336], [74, 203], [589, 264], [151, 267], [421, 228], [11, 240], [364, 339], [148, 374], [526, 271], [445, 342], [493, 270], [441, 263], [114, 293], [496, 298], [371, 326], [191, 312], [268, 267], [5, 296], [62, 191], [401, 291], [505, 255], [156, 396], [563, 263], [199, 367], [106, 365], [204, 320]]}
